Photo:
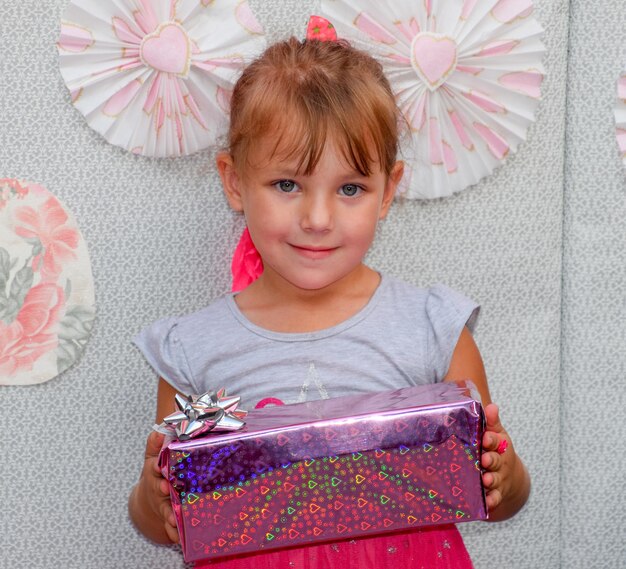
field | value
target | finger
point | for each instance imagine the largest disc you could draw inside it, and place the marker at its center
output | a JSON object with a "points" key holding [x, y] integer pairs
{"points": [[492, 417], [491, 441], [172, 532], [154, 444], [164, 487], [493, 499], [492, 461], [167, 513], [169, 522], [491, 480]]}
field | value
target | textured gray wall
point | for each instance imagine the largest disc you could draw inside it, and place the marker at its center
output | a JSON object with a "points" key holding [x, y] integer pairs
{"points": [[593, 433], [160, 237]]}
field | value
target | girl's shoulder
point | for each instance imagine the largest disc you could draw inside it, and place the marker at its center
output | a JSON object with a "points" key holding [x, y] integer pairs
{"points": [[172, 345], [187, 331], [206, 318], [434, 302]]}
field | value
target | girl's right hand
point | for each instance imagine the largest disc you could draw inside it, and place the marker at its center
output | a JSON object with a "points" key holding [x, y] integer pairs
{"points": [[150, 505]]}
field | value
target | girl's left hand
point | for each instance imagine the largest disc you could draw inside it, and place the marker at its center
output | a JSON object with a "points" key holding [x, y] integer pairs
{"points": [[498, 459]]}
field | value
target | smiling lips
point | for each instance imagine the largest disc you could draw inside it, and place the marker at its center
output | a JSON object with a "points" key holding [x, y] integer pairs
{"points": [[314, 252]]}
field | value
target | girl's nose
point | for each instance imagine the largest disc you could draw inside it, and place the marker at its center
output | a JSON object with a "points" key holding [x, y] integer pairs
{"points": [[317, 214]]}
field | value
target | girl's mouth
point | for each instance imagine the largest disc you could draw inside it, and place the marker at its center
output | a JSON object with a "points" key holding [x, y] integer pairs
{"points": [[313, 252]]}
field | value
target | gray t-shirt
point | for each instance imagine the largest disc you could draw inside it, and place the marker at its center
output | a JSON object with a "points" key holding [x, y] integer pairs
{"points": [[404, 336]]}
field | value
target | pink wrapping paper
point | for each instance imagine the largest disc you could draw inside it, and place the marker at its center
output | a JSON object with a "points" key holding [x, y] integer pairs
{"points": [[329, 469]]}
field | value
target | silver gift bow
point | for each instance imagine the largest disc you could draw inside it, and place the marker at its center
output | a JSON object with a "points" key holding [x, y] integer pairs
{"points": [[210, 411]]}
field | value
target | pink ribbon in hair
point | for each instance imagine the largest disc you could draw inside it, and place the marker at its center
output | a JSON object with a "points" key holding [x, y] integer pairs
{"points": [[247, 265], [320, 29]]}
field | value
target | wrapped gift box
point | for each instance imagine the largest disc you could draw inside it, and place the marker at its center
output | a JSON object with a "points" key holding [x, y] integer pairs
{"points": [[329, 469]]}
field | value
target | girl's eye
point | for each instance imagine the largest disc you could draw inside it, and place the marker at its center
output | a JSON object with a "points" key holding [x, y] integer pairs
{"points": [[286, 186], [350, 190]]}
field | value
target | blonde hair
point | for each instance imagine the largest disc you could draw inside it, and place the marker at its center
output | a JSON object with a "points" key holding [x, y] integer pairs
{"points": [[304, 92]]}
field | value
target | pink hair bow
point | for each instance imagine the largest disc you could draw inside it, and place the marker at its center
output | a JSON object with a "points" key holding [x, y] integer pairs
{"points": [[320, 29], [247, 265]]}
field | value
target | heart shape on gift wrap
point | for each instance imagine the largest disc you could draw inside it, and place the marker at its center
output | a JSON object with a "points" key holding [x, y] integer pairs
{"points": [[434, 58], [448, 420], [167, 49]]}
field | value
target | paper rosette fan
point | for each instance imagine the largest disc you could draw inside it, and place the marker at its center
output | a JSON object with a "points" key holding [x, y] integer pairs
{"points": [[155, 76], [46, 287], [620, 117], [467, 76]]}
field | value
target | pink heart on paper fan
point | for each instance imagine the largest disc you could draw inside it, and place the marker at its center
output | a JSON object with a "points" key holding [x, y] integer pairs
{"points": [[167, 49], [434, 58]]}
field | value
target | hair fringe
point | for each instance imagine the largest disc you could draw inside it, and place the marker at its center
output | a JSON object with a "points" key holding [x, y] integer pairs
{"points": [[303, 92]]}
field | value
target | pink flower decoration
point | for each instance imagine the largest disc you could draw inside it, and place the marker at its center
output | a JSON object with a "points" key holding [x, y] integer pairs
{"points": [[48, 225], [247, 264], [32, 334]]}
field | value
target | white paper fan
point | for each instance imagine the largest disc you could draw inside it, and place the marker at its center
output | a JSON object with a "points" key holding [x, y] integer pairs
{"points": [[467, 75], [620, 117], [155, 76]]}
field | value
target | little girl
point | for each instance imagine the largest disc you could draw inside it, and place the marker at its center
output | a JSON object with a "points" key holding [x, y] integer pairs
{"points": [[312, 165]]}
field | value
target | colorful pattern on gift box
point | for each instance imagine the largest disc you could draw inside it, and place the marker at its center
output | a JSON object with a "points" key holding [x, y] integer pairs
{"points": [[248, 494], [362, 492]]}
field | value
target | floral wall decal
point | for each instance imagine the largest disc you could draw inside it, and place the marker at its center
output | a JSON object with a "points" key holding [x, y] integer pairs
{"points": [[46, 287]]}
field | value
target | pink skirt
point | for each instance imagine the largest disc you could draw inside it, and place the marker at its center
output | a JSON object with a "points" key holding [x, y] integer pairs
{"points": [[439, 547]]}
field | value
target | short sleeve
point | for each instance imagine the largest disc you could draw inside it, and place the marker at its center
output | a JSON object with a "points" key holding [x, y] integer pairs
{"points": [[160, 345], [447, 312]]}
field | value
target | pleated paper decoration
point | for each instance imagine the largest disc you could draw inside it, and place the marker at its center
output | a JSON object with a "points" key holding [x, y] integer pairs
{"points": [[155, 76], [467, 75], [620, 117], [46, 287]]}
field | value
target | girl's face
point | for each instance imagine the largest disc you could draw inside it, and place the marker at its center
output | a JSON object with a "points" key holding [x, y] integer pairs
{"points": [[312, 231]]}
